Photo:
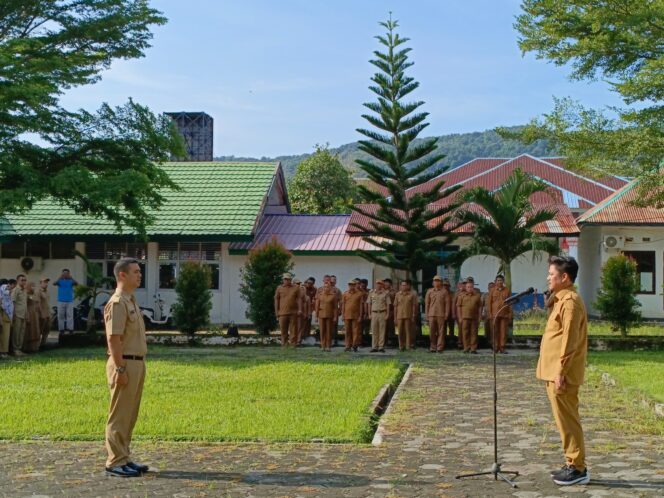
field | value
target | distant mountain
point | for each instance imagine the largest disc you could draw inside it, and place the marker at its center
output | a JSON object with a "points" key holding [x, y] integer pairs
{"points": [[458, 148]]}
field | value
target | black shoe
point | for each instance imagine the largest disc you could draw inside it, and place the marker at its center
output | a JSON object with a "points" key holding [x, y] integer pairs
{"points": [[432, 351], [473, 352], [355, 349], [381, 350], [122, 471], [347, 350], [373, 350], [569, 475], [138, 467], [562, 469]]}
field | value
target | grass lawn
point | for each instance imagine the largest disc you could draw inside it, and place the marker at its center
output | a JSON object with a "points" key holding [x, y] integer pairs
{"points": [[637, 371], [199, 394], [536, 327]]}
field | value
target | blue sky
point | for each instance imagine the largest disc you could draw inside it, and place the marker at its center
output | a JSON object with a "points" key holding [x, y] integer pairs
{"points": [[280, 76]]}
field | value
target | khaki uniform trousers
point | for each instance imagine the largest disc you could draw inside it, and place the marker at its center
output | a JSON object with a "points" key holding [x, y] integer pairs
{"points": [[18, 333], [123, 411], [326, 331], [500, 334], [437, 333], [469, 328], [406, 333], [45, 329], [353, 333], [5, 331], [289, 325], [565, 407], [304, 328], [378, 329]]}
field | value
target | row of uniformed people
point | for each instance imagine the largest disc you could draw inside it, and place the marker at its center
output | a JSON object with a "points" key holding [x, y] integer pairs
{"points": [[383, 309], [25, 315]]}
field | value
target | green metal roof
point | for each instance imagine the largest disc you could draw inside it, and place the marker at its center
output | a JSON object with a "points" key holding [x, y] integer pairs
{"points": [[218, 200]]}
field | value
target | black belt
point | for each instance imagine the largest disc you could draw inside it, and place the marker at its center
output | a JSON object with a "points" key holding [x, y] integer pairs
{"points": [[132, 357], [378, 311]]}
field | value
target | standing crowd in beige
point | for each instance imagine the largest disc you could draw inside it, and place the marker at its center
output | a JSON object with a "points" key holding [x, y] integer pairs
{"points": [[385, 311]]}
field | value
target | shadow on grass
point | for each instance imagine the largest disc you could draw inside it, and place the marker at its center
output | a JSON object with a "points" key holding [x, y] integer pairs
{"points": [[322, 479]]}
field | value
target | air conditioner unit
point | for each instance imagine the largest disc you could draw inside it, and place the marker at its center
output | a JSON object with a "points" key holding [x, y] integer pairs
{"points": [[32, 263], [613, 242]]}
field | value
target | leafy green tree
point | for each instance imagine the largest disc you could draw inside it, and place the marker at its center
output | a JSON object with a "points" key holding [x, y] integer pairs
{"points": [[98, 285], [261, 275], [101, 163], [410, 226], [191, 311], [619, 41], [504, 222], [321, 185], [616, 300]]}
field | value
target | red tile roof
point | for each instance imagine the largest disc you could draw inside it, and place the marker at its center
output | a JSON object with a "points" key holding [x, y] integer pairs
{"points": [[617, 209], [306, 233]]}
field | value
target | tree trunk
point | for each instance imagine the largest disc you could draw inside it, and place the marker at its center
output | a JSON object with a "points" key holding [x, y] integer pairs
{"points": [[507, 269]]}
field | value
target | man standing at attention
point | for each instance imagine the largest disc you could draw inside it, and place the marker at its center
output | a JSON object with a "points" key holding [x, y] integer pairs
{"points": [[65, 286], [436, 309], [351, 312], [378, 303], [288, 308], [497, 298], [20, 300], [125, 369], [460, 290], [44, 309], [470, 307], [562, 364], [405, 311]]}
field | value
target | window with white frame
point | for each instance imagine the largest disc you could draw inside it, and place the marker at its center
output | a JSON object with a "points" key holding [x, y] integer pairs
{"points": [[106, 254], [172, 254]]}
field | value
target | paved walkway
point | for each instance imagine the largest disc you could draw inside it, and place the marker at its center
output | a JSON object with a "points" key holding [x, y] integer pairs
{"points": [[441, 425]]}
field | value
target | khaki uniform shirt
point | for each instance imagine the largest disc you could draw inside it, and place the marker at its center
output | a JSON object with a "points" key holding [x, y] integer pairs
{"points": [[42, 296], [470, 305], [404, 305], [496, 301], [287, 300], [352, 304], [123, 317], [311, 298], [565, 341], [20, 298], [379, 301], [436, 303], [327, 305]]}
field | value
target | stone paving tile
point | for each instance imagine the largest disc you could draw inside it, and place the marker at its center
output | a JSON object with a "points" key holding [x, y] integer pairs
{"points": [[441, 426]]}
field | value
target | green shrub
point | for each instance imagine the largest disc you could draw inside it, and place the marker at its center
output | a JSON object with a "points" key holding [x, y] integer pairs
{"points": [[261, 275], [191, 311], [616, 301]]}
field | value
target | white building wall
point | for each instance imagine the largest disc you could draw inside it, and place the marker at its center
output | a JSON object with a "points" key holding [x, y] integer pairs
{"points": [[593, 254]]}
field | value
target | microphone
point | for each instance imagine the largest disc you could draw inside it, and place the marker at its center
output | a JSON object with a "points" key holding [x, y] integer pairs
{"points": [[517, 297]]}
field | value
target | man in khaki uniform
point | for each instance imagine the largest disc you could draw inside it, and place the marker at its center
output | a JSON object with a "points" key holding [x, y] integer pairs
{"points": [[288, 308], [497, 298], [125, 368], [460, 289], [470, 307], [562, 364], [390, 330], [405, 310], [310, 291], [378, 304], [20, 299], [450, 320], [44, 310], [436, 309], [301, 319], [335, 324], [352, 303]]}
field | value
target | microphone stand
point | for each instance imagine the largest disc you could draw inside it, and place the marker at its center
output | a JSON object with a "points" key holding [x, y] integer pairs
{"points": [[496, 470]]}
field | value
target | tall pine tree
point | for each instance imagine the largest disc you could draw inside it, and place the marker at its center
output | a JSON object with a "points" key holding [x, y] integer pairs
{"points": [[410, 226]]}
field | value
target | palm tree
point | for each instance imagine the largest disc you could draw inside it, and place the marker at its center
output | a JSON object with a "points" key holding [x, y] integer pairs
{"points": [[504, 222]]}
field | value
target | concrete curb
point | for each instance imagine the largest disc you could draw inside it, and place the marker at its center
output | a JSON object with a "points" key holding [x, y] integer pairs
{"points": [[380, 430]]}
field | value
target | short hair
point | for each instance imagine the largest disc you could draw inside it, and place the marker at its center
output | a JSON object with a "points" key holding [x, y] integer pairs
{"points": [[408, 281], [123, 266], [326, 276], [11, 281], [565, 264], [65, 269], [311, 279], [333, 276], [20, 275], [499, 276], [388, 280], [364, 281]]}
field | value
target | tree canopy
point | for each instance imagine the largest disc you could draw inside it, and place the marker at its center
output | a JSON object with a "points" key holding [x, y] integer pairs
{"points": [[100, 163], [622, 42], [321, 185], [411, 225]]}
